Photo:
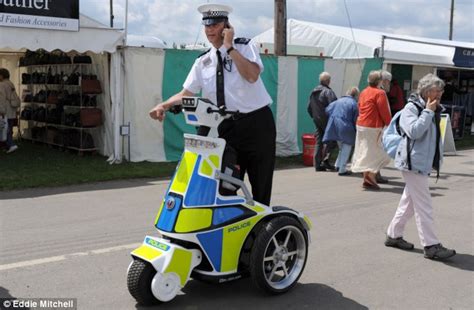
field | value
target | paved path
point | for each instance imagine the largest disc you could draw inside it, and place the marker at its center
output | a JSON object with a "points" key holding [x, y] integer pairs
{"points": [[75, 241]]}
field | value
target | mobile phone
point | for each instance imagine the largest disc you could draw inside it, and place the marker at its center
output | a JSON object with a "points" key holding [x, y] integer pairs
{"points": [[226, 26]]}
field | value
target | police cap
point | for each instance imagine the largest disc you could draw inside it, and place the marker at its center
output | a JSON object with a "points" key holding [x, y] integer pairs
{"points": [[214, 13]]}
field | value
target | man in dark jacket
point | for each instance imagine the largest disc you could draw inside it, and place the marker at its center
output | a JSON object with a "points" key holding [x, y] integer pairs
{"points": [[320, 98]]}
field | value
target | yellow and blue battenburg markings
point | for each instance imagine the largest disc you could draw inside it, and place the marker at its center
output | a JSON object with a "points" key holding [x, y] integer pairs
{"points": [[198, 191], [201, 190], [180, 264], [192, 117], [151, 252], [193, 185], [168, 216], [193, 220], [223, 245]]}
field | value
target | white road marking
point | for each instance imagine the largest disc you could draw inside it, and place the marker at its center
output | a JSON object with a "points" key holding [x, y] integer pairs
{"points": [[58, 258]]}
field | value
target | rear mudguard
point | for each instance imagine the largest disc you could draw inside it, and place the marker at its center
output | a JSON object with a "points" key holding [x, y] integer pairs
{"points": [[303, 219], [167, 257]]}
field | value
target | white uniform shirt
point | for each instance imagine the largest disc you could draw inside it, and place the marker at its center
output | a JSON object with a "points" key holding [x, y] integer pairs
{"points": [[240, 95]]}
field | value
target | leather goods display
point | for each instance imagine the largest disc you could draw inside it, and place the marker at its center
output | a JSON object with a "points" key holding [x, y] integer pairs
{"points": [[82, 59], [91, 117], [42, 57], [50, 78], [52, 97], [90, 85], [78, 139], [60, 99]]}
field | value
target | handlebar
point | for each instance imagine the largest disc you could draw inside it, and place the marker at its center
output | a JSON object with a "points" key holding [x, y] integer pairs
{"points": [[176, 109], [222, 111]]}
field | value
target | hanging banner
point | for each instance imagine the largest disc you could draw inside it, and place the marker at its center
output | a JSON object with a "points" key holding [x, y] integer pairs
{"points": [[40, 14]]}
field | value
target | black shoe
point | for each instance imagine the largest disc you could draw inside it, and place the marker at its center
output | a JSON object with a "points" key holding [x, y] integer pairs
{"points": [[347, 172], [380, 179], [438, 251], [399, 243], [320, 168], [328, 166]]}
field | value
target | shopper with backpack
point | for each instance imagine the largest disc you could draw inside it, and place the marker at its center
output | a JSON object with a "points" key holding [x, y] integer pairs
{"points": [[419, 152]]}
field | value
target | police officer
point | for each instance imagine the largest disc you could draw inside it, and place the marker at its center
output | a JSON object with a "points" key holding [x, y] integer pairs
{"points": [[229, 75]]}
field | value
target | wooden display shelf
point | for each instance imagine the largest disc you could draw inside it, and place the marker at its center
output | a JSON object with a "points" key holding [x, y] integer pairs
{"points": [[55, 65], [57, 125], [64, 105], [61, 145]]}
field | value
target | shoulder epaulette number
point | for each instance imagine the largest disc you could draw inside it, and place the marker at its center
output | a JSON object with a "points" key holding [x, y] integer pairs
{"points": [[242, 41]]}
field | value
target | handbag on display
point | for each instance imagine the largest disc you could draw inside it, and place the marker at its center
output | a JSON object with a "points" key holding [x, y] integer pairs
{"points": [[52, 97], [91, 117], [91, 86], [82, 59]]}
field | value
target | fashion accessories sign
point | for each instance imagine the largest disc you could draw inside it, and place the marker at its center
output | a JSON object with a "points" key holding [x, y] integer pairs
{"points": [[41, 14]]}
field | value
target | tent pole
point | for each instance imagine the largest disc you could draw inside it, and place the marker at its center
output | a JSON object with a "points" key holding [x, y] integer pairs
{"points": [[111, 13], [383, 46], [280, 28], [451, 21], [126, 23]]}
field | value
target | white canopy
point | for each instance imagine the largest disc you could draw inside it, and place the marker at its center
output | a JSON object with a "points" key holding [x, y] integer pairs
{"points": [[145, 41], [338, 42], [92, 36]]}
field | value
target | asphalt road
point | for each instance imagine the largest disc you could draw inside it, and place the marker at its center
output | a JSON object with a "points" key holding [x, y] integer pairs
{"points": [[74, 242]]}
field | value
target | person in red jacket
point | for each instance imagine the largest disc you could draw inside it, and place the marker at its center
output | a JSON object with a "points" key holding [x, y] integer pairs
{"points": [[374, 114], [396, 97]]}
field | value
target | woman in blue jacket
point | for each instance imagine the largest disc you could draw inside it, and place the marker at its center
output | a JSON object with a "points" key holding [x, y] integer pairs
{"points": [[342, 115], [417, 155]]}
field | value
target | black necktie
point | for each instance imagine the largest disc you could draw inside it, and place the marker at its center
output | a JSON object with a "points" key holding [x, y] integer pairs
{"points": [[220, 81]]}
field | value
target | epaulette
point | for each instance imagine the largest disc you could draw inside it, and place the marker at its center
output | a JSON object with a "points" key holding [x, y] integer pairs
{"points": [[242, 41], [204, 53]]}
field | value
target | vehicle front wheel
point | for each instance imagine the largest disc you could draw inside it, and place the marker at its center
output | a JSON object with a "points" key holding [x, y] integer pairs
{"points": [[139, 278]]}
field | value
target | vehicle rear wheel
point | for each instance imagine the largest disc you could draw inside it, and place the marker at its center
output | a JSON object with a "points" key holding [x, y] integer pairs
{"points": [[279, 255]]}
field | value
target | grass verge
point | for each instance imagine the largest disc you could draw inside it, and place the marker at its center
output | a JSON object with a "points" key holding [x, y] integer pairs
{"points": [[36, 165]]}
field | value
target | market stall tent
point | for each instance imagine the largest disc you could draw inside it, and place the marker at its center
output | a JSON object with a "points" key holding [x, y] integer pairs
{"points": [[347, 43], [145, 41], [96, 39]]}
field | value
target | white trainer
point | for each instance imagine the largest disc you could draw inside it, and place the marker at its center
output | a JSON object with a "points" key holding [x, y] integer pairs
{"points": [[12, 149]]}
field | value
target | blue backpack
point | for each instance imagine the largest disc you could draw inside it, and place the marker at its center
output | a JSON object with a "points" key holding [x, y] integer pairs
{"points": [[393, 135]]}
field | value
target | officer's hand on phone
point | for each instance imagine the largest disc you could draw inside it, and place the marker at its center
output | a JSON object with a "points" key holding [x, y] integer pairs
{"points": [[228, 34]]}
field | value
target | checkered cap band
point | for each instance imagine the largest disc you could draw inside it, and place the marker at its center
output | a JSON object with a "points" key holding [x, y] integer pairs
{"points": [[214, 14]]}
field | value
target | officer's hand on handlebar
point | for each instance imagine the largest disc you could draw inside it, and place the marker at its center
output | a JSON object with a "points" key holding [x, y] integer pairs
{"points": [[158, 112]]}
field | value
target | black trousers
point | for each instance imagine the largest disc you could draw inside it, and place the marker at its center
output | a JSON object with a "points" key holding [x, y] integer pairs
{"points": [[322, 151], [253, 137]]}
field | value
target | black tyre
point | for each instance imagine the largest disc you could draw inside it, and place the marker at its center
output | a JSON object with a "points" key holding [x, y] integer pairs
{"points": [[279, 255], [140, 275]]}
